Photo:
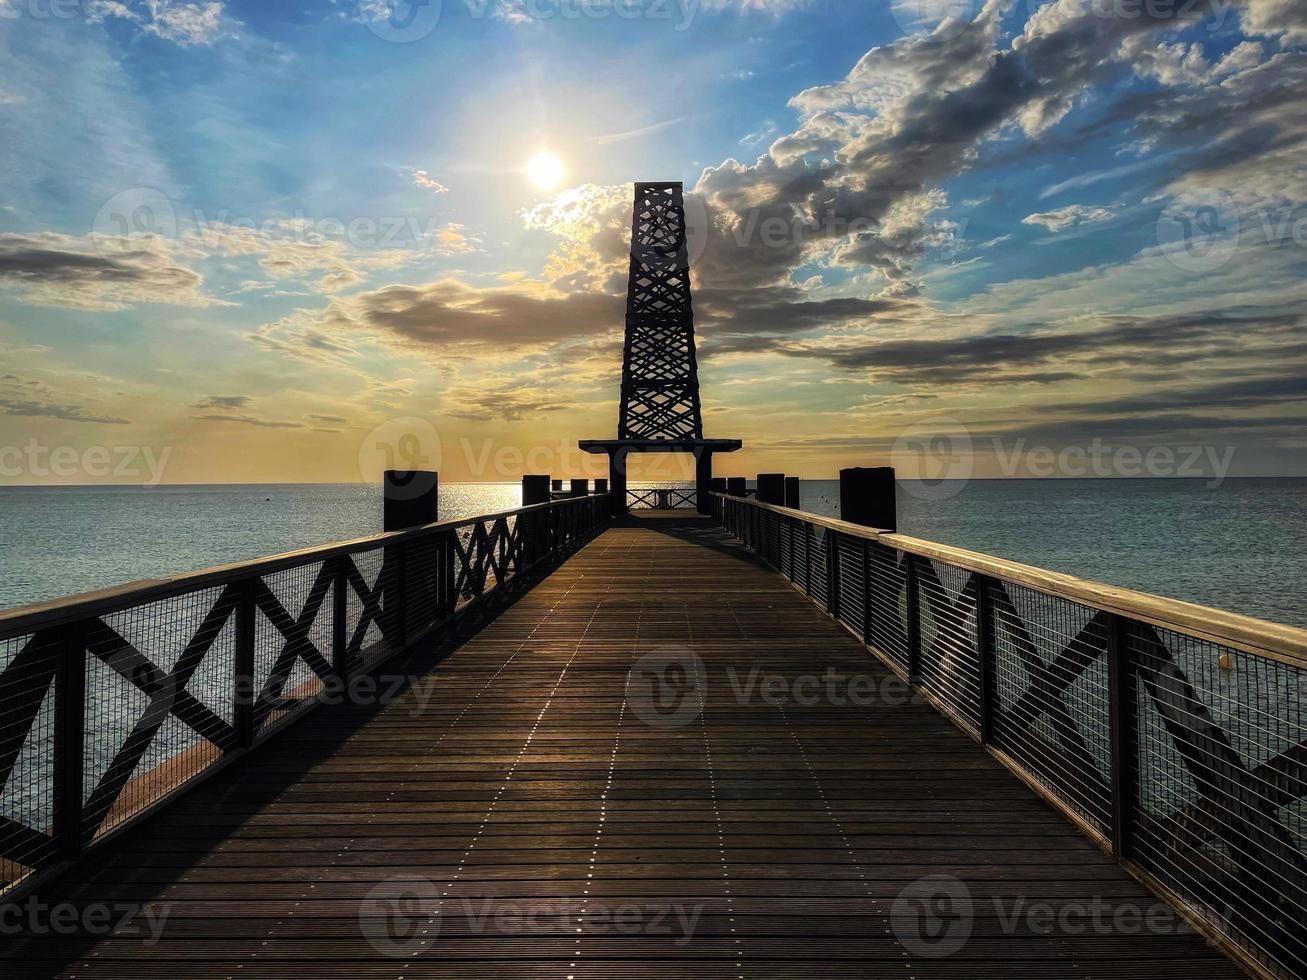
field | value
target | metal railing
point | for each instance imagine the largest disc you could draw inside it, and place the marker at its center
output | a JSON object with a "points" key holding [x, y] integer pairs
{"points": [[113, 702], [1173, 734], [662, 498]]}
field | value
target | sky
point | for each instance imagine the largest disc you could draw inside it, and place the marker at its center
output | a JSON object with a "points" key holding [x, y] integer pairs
{"points": [[252, 241]]}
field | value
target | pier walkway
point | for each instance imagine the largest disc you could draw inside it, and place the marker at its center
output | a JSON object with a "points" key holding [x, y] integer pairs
{"points": [[557, 797]]}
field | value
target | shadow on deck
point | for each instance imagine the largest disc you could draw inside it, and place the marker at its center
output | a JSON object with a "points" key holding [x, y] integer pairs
{"points": [[662, 761]]}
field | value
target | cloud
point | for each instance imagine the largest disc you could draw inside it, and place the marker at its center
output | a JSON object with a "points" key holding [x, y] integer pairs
{"points": [[1283, 19], [223, 402], [185, 24], [66, 412], [1070, 216], [423, 179], [1114, 346], [330, 419], [96, 273], [248, 420], [635, 134]]}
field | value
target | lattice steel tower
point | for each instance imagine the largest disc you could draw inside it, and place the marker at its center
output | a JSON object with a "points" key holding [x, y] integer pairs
{"points": [[660, 411], [660, 373]]}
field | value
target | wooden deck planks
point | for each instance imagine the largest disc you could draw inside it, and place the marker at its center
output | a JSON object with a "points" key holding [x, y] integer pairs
{"points": [[517, 813]]}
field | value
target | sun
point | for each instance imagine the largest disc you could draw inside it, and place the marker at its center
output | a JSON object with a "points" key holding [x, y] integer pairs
{"points": [[545, 171]]}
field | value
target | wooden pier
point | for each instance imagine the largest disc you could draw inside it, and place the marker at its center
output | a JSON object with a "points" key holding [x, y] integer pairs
{"points": [[526, 810]]}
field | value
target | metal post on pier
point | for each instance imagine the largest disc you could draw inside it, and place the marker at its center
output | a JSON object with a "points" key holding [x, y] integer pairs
{"points": [[771, 489], [735, 486], [868, 496], [601, 487], [535, 529], [792, 492], [410, 498], [580, 488]]}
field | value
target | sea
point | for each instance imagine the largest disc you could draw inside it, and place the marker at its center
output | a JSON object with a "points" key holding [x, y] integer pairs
{"points": [[1240, 545]]}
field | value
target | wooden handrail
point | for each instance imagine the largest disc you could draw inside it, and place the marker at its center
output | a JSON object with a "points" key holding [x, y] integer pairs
{"points": [[53, 612], [1276, 641]]}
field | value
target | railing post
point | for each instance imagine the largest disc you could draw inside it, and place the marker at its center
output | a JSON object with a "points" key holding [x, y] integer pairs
{"points": [[339, 612], [400, 553], [243, 655], [986, 642], [832, 574], [1122, 689], [912, 585], [807, 559], [70, 741], [866, 592], [449, 573]]}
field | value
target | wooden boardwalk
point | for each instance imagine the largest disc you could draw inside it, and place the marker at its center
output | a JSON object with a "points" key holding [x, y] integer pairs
{"points": [[523, 811]]}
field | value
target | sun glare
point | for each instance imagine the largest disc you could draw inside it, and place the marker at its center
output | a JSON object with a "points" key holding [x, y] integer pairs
{"points": [[545, 171]]}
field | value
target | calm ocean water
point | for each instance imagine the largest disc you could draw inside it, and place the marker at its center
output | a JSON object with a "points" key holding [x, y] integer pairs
{"points": [[1241, 546]]}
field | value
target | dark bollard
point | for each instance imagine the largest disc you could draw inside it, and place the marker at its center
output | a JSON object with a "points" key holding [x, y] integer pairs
{"points": [[771, 488], [792, 492], [868, 496], [601, 487], [735, 486], [580, 488], [410, 498], [557, 486], [717, 484], [535, 526], [535, 490]]}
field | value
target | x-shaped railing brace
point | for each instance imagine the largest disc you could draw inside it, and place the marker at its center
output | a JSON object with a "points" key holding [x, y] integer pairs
{"points": [[168, 696], [295, 632]]}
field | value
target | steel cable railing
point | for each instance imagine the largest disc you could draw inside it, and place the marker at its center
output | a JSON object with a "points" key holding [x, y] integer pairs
{"points": [[1173, 734], [113, 701]]}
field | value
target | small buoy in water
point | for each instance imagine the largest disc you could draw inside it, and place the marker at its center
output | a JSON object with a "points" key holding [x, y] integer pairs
{"points": [[267, 498], [1226, 661]]}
